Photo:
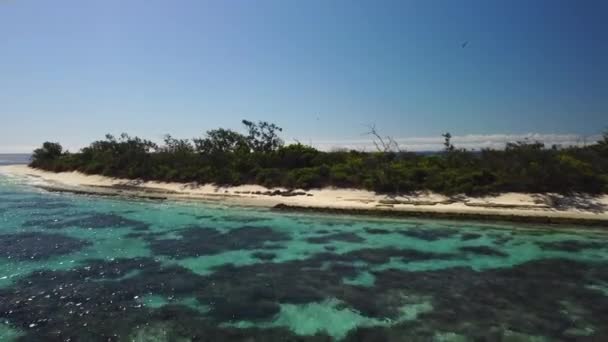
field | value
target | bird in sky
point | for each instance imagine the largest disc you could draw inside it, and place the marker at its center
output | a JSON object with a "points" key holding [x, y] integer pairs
{"points": [[464, 45]]}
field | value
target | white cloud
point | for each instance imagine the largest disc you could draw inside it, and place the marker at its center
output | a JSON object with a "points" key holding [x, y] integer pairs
{"points": [[8, 149], [471, 141], [16, 148]]}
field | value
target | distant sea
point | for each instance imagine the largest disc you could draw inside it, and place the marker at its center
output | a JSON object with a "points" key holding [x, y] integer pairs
{"points": [[16, 158]]}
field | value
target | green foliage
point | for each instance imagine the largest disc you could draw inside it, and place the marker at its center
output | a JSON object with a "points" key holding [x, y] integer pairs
{"points": [[176, 146], [305, 178], [263, 136], [222, 141], [46, 154], [228, 157], [447, 142]]}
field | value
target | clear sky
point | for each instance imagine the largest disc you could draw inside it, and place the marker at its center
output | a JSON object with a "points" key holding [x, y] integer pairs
{"points": [[73, 70]]}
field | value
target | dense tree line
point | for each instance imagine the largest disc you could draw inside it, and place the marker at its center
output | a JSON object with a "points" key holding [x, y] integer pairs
{"points": [[228, 157]]}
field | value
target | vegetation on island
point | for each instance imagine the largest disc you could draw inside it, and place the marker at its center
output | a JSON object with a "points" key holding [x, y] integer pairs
{"points": [[226, 157]]}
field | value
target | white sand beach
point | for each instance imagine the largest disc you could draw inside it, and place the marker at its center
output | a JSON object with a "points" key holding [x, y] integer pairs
{"points": [[519, 206]]}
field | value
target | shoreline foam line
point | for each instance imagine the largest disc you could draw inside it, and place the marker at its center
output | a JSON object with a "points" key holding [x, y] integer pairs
{"points": [[513, 207]]}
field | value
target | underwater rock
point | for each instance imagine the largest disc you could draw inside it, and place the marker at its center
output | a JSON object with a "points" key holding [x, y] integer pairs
{"points": [[570, 245], [92, 302], [383, 255], [235, 309], [371, 334], [345, 237], [469, 236], [178, 324], [519, 296], [144, 235], [112, 269], [197, 241], [100, 300], [90, 221], [428, 234], [483, 250], [306, 281], [376, 231], [242, 218], [272, 246], [38, 246], [264, 255], [199, 217], [502, 240]]}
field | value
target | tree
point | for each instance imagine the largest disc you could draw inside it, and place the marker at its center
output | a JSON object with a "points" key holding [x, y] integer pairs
{"points": [[173, 145], [448, 142], [224, 156], [48, 152], [221, 141], [383, 145], [263, 136]]}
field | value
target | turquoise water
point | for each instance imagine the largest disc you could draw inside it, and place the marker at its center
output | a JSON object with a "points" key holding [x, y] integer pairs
{"points": [[80, 268]]}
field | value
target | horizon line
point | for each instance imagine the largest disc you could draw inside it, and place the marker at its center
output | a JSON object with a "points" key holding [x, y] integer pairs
{"points": [[412, 144]]}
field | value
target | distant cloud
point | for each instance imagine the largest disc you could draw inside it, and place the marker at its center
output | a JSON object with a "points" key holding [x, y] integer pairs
{"points": [[471, 141], [414, 144], [29, 148], [16, 148]]}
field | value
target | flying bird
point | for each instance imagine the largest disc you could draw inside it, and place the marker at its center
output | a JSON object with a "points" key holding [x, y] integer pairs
{"points": [[464, 45]]}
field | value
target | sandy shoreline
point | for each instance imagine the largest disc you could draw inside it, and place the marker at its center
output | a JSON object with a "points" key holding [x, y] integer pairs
{"points": [[545, 208]]}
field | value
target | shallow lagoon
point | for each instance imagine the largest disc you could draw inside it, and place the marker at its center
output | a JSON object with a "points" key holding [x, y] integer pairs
{"points": [[96, 269]]}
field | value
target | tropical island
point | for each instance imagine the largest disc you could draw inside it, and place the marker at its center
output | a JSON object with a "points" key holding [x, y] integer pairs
{"points": [[408, 171], [524, 181]]}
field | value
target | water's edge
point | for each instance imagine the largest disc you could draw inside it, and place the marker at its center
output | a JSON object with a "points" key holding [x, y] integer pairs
{"points": [[448, 215]]}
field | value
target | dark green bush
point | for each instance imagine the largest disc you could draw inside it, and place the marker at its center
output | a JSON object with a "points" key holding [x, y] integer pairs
{"points": [[229, 158]]}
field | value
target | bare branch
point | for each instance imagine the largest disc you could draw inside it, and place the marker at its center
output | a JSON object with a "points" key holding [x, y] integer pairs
{"points": [[393, 144], [386, 144]]}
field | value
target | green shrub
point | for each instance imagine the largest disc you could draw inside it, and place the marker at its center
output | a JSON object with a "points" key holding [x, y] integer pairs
{"points": [[230, 158]]}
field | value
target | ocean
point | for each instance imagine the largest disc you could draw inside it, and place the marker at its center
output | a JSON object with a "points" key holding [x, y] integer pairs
{"points": [[15, 158], [87, 268]]}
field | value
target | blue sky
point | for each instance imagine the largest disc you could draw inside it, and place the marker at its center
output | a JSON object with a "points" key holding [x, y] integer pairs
{"points": [[71, 71]]}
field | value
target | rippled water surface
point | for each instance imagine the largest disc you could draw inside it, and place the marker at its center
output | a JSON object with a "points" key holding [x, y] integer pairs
{"points": [[76, 268]]}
